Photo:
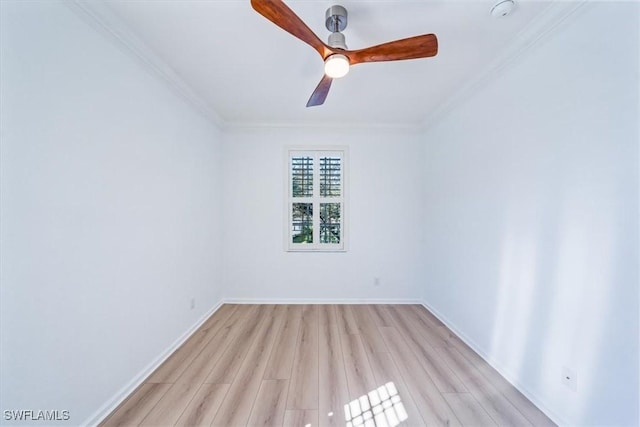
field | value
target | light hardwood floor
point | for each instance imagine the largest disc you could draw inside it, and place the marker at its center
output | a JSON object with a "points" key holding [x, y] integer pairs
{"points": [[325, 365]]}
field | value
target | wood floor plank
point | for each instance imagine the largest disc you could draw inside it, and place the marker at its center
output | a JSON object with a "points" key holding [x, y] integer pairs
{"points": [[441, 374], [301, 418], [171, 369], [468, 410], [199, 369], [517, 399], [360, 377], [371, 338], [227, 367], [379, 315], [429, 317], [204, 406], [270, 404], [281, 360], [333, 387], [327, 314], [431, 328], [169, 408], [303, 386], [133, 410], [384, 371], [432, 406], [437, 332], [219, 317], [496, 405], [346, 322], [236, 407]]}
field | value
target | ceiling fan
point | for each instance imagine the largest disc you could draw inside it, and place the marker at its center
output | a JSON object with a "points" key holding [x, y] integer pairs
{"points": [[337, 58]]}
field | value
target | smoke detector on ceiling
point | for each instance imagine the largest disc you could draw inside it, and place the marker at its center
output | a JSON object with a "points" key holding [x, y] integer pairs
{"points": [[502, 8]]}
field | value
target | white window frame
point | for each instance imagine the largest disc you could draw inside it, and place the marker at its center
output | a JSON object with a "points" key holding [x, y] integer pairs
{"points": [[316, 152]]}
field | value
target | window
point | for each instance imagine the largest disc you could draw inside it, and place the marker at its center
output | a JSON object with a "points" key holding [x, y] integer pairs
{"points": [[316, 199]]}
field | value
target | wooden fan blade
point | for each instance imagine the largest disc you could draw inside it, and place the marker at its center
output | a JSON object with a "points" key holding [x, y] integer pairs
{"points": [[280, 14], [409, 48], [320, 94]]}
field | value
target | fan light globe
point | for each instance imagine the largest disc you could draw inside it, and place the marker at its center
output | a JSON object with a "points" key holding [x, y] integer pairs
{"points": [[336, 66]]}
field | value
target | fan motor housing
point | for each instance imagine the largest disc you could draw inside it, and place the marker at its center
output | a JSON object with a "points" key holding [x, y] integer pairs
{"points": [[337, 40]]}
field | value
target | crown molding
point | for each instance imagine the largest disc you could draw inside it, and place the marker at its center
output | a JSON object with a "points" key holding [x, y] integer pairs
{"points": [[101, 18], [323, 125], [544, 26]]}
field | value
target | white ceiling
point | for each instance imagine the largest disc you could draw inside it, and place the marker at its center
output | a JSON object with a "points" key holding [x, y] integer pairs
{"points": [[243, 70]]}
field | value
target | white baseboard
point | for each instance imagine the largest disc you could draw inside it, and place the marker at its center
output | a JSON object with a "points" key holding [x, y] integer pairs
{"points": [[509, 376], [320, 301], [132, 385]]}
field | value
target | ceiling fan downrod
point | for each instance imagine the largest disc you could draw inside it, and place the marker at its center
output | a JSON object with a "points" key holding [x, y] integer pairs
{"points": [[336, 21]]}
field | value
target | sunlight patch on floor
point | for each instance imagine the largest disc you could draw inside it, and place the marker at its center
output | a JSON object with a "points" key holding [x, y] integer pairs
{"points": [[381, 407]]}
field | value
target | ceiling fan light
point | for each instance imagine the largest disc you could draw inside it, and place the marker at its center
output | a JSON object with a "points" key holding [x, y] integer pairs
{"points": [[336, 66]]}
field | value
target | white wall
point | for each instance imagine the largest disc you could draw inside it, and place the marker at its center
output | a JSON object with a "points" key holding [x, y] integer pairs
{"points": [[531, 210], [110, 214], [383, 219]]}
